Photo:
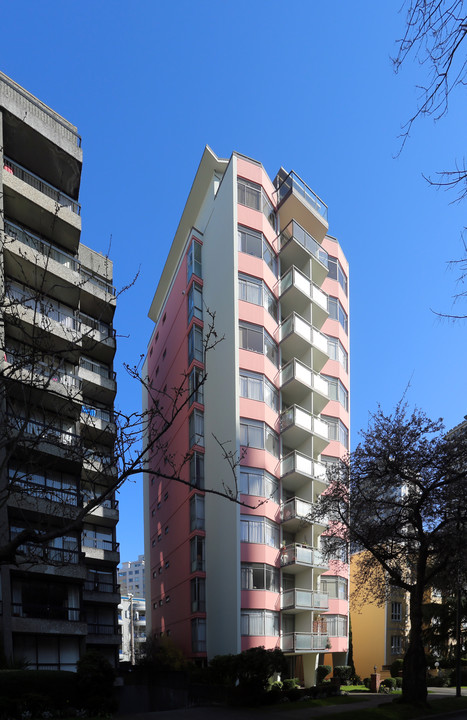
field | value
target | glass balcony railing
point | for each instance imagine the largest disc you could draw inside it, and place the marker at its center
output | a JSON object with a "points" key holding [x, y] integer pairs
{"points": [[295, 278], [296, 416], [45, 432], [296, 642], [298, 554], [296, 509], [294, 184], [296, 462], [43, 187], [294, 231], [46, 612], [297, 325], [296, 370], [98, 413], [45, 308], [300, 599]]}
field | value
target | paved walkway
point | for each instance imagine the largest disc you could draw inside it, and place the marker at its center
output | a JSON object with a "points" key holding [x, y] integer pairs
{"points": [[229, 713]]}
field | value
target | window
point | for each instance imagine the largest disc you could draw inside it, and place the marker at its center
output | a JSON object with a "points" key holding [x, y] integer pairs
{"points": [[195, 302], [256, 434], [257, 576], [336, 272], [198, 635], [257, 387], [254, 196], [257, 339], [396, 611], [198, 595], [254, 243], [197, 554], [336, 625], [396, 644], [196, 428], [337, 391], [259, 623], [195, 386], [197, 470], [195, 344], [335, 587], [255, 291], [193, 261], [259, 530], [259, 483], [337, 312], [197, 513], [336, 351], [337, 430]]}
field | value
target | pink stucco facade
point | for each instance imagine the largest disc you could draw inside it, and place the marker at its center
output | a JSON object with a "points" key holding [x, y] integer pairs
{"points": [[278, 232]]}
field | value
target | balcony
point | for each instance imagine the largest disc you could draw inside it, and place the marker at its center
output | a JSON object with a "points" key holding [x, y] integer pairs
{"points": [[40, 205], [295, 200], [53, 619], [297, 557], [298, 425], [106, 513], [98, 463], [297, 336], [97, 337], [299, 600], [296, 513], [297, 291], [32, 260], [298, 469], [297, 380], [103, 634], [22, 366], [98, 381], [97, 423], [297, 247], [28, 313], [45, 436], [98, 591], [100, 549], [304, 642]]}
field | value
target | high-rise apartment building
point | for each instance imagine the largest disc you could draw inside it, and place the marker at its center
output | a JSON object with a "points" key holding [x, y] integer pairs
{"points": [[131, 577], [59, 597], [223, 576]]}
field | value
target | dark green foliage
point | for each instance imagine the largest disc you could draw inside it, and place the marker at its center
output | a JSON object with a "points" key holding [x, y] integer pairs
{"points": [[162, 654], [389, 683], [366, 682], [290, 683], [247, 674], [398, 682], [439, 681], [95, 677], [396, 667], [343, 673], [37, 691], [321, 672]]}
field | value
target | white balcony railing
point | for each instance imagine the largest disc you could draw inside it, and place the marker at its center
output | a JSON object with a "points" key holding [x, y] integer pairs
{"points": [[300, 599], [300, 641]]}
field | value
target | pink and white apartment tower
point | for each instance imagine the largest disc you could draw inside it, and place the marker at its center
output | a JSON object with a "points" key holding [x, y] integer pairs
{"points": [[223, 576]]}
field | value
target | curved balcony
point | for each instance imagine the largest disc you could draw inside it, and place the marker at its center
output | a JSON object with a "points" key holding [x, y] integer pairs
{"points": [[297, 247], [297, 557], [295, 199], [297, 379], [297, 336], [304, 642], [298, 425], [299, 600], [298, 469], [297, 291]]}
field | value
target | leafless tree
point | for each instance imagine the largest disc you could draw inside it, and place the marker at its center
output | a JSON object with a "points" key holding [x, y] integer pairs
{"points": [[61, 459], [400, 500]]}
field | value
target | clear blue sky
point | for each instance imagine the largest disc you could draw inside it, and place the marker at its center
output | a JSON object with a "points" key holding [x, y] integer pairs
{"points": [[304, 84]]}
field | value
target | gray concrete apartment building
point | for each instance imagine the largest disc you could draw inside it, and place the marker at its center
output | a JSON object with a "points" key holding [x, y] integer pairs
{"points": [[57, 393]]}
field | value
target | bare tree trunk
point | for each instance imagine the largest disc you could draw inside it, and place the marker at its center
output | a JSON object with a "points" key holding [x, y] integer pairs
{"points": [[414, 671]]}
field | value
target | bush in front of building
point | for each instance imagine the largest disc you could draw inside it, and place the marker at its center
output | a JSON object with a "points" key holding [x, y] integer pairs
{"points": [[95, 682], [343, 673], [322, 671], [396, 667], [36, 692]]}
